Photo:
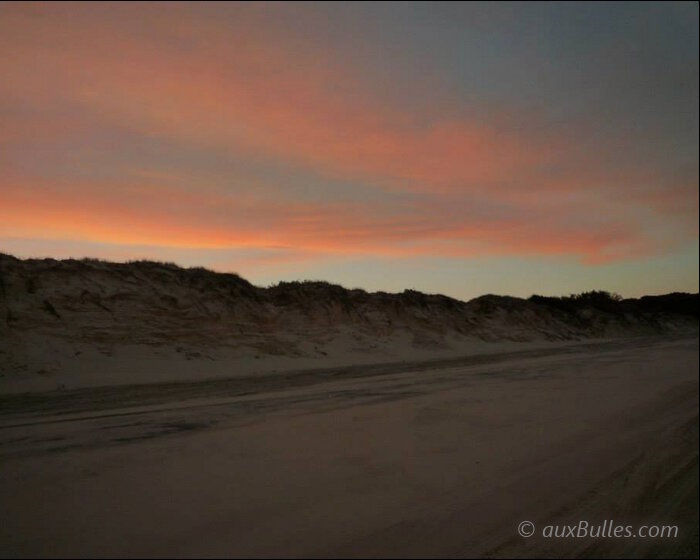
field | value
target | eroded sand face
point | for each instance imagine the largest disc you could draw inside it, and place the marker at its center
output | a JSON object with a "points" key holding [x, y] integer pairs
{"points": [[441, 461]]}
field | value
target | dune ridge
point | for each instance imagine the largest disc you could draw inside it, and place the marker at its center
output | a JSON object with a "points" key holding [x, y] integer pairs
{"points": [[95, 322]]}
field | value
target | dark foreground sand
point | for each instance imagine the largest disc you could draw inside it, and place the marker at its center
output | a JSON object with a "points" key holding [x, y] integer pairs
{"points": [[441, 460]]}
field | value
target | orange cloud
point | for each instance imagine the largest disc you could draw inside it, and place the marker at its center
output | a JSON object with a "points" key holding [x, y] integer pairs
{"points": [[238, 89], [171, 217], [245, 85]]}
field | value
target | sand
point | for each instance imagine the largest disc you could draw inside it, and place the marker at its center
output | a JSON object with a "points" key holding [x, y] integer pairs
{"points": [[67, 325], [413, 460]]}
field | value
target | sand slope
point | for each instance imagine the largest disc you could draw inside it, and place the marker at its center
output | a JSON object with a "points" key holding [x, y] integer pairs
{"points": [[70, 324]]}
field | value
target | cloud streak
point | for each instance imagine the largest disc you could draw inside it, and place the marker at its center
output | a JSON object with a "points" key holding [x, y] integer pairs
{"points": [[448, 176]]}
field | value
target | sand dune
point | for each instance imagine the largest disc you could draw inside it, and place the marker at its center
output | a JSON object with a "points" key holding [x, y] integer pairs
{"points": [[71, 324], [149, 410]]}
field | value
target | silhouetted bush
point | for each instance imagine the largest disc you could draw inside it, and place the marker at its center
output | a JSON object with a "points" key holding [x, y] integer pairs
{"points": [[678, 303]]}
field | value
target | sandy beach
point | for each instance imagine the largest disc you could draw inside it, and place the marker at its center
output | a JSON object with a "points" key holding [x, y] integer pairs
{"points": [[440, 460]]}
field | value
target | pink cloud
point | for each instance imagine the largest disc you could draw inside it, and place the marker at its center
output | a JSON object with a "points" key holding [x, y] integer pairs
{"points": [[235, 85]]}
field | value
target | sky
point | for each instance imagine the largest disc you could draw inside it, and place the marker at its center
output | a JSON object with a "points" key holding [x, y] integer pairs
{"points": [[456, 148]]}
